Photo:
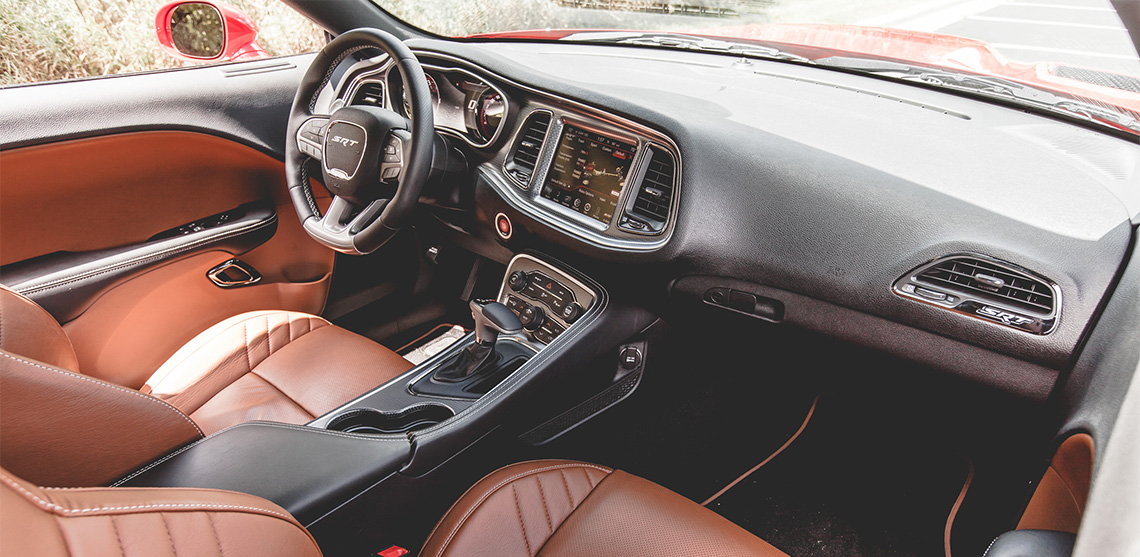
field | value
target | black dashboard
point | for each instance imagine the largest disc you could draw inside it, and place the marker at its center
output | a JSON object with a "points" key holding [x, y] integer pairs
{"points": [[967, 235], [797, 194]]}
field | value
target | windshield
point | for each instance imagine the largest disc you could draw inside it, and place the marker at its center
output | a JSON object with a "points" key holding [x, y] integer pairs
{"points": [[1078, 48]]}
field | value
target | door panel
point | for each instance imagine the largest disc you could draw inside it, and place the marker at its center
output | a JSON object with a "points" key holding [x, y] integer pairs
{"points": [[103, 192]]}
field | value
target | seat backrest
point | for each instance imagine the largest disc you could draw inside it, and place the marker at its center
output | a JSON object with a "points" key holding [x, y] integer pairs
{"points": [[144, 522], [61, 428], [30, 331]]}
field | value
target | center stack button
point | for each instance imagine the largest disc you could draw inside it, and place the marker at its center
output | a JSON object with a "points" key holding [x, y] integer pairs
{"points": [[532, 317], [517, 281]]}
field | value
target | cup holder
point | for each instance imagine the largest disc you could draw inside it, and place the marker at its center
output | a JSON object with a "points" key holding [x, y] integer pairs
{"points": [[369, 421]]}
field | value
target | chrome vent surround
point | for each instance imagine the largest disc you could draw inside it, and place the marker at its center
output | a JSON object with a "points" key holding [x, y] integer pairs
{"points": [[528, 147], [655, 196], [370, 93], [986, 288]]}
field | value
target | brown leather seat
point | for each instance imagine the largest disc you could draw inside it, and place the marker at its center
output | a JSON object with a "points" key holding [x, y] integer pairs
{"points": [[542, 508], [552, 508], [62, 428]]}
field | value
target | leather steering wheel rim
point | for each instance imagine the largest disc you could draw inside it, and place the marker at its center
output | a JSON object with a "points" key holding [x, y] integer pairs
{"points": [[347, 227]]}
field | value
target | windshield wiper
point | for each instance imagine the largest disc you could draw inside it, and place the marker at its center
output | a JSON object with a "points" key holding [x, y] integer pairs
{"points": [[689, 42], [993, 87]]}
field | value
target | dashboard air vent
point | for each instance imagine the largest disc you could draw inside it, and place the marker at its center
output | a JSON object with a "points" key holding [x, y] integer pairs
{"points": [[655, 194], [370, 93], [528, 147], [986, 288]]}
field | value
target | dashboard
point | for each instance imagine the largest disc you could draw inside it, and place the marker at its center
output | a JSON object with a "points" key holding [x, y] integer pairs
{"points": [[604, 179], [966, 235]]}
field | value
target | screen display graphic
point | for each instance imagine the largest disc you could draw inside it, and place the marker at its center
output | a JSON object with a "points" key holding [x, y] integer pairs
{"points": [[588, 173]]}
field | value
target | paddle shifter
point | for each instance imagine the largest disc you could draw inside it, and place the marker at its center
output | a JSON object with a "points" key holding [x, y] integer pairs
{"points": [[491, 319]]}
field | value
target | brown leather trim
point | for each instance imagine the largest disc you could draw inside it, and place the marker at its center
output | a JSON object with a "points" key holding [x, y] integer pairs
{"points": [[120, 189], [457, 517], [563, 508], [26, 329], [132, 329], [777, 452], [946, 532], [1059, 501], [129, 522], [627, 515], [61, 428]]}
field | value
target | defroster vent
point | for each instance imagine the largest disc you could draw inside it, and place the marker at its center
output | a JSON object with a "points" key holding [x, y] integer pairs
{"points": [[524, 155], [986, 288]]}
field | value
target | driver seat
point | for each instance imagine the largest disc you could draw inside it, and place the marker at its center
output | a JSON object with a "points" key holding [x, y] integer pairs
{"points": [[62, 428]]}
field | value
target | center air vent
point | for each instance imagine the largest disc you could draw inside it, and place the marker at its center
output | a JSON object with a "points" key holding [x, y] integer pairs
{"points": [[654, 196], [370, 93], [986, 288], [528, 147]]}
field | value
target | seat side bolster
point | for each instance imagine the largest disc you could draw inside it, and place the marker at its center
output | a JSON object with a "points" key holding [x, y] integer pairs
{"points": [[65, 429]]}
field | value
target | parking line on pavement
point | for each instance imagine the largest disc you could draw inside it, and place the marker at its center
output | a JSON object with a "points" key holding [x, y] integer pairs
{"points": [[1060, 6], [1043, 22], [1063, 51]]}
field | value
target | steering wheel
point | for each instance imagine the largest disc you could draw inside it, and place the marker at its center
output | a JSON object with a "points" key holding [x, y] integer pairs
{"points": [[363, 151]]}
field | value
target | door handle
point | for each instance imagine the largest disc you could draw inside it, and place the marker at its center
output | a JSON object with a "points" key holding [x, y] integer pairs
{"points": [[233, 274]]}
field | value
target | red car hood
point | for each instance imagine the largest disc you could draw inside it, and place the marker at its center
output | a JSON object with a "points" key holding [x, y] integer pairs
{"points": [[816, 41]]}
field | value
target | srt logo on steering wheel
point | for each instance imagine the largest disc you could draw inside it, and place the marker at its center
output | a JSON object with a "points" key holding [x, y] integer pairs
{"points": [[343, 141]]}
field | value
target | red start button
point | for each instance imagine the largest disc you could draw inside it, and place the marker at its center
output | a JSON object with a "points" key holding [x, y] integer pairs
{"points": [[503, 226]]}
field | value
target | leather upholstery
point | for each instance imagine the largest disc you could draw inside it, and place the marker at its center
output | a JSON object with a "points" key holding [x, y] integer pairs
{"points": [[562, 508], [271, 365], [30, 331], [544, 508], [61, 428], [143, 522]]}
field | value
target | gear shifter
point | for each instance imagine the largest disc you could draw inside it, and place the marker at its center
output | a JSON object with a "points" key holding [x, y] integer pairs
{"points": [[491, 319]]}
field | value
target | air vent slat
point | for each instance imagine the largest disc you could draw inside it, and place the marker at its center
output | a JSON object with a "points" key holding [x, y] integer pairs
{"points": [[370, 93], [655, 195], [991, 283], [528, 147]]}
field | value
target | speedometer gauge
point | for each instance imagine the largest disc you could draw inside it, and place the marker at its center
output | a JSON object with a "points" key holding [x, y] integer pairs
{"points": [[490, 115], [433, 89]]}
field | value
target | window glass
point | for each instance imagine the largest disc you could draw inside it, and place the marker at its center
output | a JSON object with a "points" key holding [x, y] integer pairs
{"points": [[46, 40]]}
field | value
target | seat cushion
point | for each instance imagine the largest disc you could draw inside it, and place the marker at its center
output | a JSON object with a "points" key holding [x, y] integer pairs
{"points": [[555, 508], [271, 365]]}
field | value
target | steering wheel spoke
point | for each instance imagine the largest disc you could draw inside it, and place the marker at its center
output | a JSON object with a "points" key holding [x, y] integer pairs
{"points": [[395, 152], [311, 136], [364, 151]]}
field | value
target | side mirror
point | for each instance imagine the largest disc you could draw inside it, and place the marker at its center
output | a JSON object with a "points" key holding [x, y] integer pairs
{"points": [[204, 30]]}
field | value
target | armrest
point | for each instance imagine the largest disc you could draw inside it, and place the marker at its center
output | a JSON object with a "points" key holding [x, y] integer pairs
{"points": [[307, 471]]}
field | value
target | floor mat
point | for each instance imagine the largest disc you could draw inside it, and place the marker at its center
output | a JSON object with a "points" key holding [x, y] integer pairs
{"points": [[875, 472], [848, 487]]}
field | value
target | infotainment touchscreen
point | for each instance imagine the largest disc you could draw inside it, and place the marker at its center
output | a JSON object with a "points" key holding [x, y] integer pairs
{"points": [[588, 172]]}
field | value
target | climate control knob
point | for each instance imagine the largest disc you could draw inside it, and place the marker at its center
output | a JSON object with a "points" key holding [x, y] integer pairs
{"points": [[517, 280], [532, 317]]}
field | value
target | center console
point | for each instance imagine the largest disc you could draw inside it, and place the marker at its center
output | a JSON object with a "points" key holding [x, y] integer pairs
{"points": [[408, 428]]}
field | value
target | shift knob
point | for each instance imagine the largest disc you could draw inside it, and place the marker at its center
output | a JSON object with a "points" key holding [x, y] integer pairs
{"points": [[491, 319]]}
